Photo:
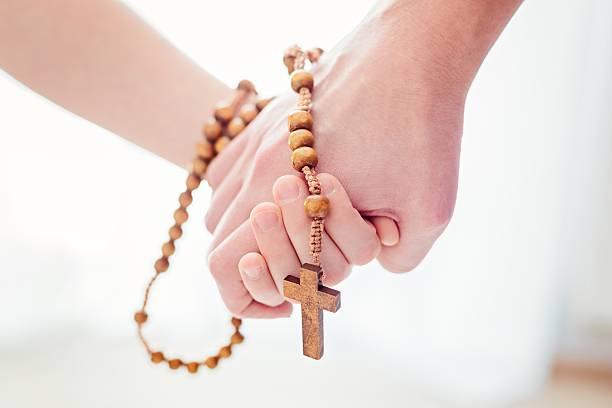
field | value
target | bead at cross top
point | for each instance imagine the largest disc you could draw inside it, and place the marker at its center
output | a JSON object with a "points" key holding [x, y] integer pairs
{"points": [[314, 298]]}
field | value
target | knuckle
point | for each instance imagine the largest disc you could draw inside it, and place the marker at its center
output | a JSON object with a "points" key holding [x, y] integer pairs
{"points": [[437, 216], [398, 267], [338, 274]]}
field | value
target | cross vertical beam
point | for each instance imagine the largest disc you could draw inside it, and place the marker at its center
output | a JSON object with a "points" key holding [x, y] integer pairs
{"points": [[314, 298]]}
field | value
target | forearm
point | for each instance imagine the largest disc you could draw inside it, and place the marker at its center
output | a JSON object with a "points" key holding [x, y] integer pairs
{"points": [[100, 61], [449, 38]]}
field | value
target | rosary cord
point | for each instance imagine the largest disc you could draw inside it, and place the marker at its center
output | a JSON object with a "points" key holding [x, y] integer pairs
{"points": [[295, 59], [218, 132]]}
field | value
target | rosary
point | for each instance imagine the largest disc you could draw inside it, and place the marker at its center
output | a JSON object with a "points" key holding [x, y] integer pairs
{"points": [[229, 120]]}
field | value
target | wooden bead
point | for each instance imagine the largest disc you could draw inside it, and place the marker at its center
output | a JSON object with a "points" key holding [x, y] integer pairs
{"points": [[185, 199], [316, 206], [157, 357], [223, 113], [236, 322], [225, 352], [248, 112], [140, 317], [237, 338], [301, 79], [300, 120], [300, 138], [199, 167], [246, 85], [161, 265], [236, 126], [193, 182], [193, 367], [205, 150], [262, 103], [168, 249], [212, 129], [222, 143], [180, 216], [175, 232], [304, 156], [211, 362], [314, 54], [289, 61], [174, 364]]}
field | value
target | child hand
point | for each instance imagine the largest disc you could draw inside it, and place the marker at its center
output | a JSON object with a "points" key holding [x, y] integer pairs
{"points": [[280, 244]]}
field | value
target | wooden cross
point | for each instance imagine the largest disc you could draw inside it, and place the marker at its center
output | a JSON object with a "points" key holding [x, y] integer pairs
{"points": [[314, 298]]}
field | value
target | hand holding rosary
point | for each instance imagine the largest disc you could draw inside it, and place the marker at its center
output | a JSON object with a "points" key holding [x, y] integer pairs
{"points": [[228, 122]]}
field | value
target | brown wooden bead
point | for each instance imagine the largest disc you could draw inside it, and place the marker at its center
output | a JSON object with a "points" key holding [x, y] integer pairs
{"points": [[246, 85], [140, 317], [205, 150], [211, 362], [193, 181], [157, 357], [262, 103], [212, 129], [180, 216], [161, 265], [224, 113], [316, 206], [236, 126], [248, 112], [193, 367], [199, 167], [174, 364], [289, 61], [304, 156], [237, 338], [314, 54], [300, 120], [225, 352], [236, 322], [175, 232], [168, 249], [300, 138], [301, 79], [185, 199], [222, 143]]}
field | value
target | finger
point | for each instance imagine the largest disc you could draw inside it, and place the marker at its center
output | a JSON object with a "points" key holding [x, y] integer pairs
{"points": [[221, 165], [274, 243], [221, 200], [417, 234], [290, 193], [223, 263], [258, 280], [355, 237], [387, 230], [255, 189]]}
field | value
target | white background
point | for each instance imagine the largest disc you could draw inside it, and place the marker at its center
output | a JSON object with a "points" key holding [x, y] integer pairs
{"points": [[523, 270]]}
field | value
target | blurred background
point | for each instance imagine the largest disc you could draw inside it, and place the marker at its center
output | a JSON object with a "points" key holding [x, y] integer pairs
{"points": [[517, 289]]}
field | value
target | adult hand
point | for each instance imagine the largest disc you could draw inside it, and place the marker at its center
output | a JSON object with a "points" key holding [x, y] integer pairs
{"points": [[388, 108]]}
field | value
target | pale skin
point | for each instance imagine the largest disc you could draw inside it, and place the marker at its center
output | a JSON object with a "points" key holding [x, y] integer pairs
{"points": [[388, 109]]}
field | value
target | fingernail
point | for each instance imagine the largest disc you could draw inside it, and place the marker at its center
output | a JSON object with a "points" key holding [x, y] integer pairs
{"points": [[266, 220], [253, 272], [287, 190], [327, 185]]}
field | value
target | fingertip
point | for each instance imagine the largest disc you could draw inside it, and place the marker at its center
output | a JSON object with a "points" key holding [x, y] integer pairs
{"points": [[387, 231], [265, 217], [287, 189], [252, 266]]}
